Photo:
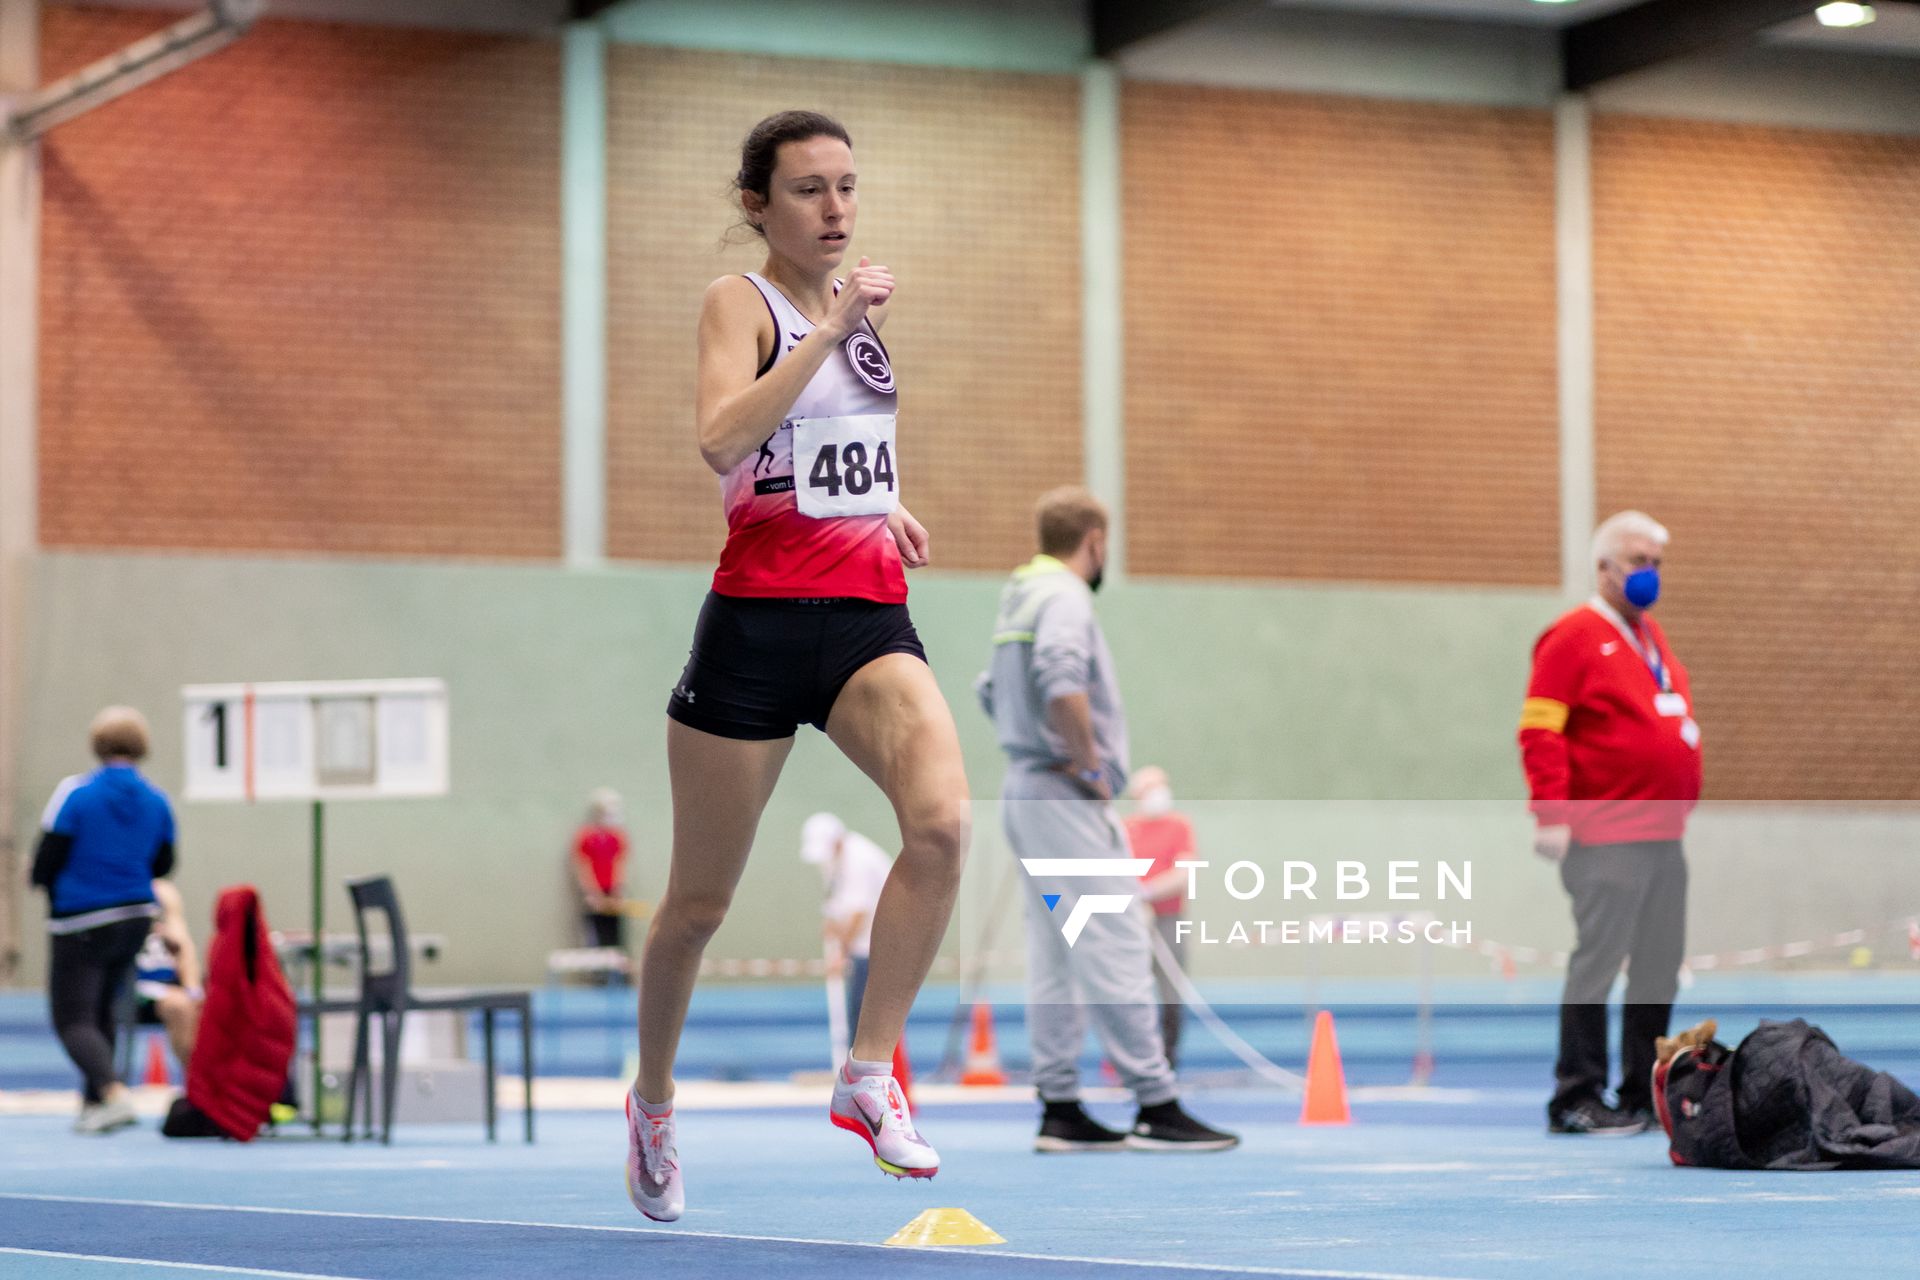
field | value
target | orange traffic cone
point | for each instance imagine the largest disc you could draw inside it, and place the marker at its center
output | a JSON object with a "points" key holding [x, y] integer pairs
{"points": [[156, 1063], [903, 1072], [1326, 1098], [983, 1059]]}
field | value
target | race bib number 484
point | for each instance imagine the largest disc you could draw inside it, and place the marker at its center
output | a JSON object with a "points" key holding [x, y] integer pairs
{"points": [[845, 466]]}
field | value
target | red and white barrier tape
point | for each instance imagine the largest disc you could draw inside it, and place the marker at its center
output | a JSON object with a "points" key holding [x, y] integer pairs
{"points": [[1506, 956], [943, 966]]}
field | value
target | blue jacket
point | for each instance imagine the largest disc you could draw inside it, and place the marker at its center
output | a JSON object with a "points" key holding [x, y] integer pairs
{"points": [[106, 835]]}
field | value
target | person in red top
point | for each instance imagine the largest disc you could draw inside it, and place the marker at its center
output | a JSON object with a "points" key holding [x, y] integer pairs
{"points": [[1612, 754], [599, 866], [1157, 832], [806, 624]]}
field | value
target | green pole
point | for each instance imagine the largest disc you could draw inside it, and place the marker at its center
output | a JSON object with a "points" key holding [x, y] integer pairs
{"points": [[319, 952]]}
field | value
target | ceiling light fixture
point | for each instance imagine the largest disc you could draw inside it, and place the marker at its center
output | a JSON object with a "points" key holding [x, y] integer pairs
{"points": [[1844, 15]]}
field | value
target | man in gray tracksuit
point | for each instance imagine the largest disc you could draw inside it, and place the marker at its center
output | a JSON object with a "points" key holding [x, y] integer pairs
{"points": [[1055, 704]]}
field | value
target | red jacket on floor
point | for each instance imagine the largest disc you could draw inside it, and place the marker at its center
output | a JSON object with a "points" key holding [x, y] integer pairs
{"points": [[245, 1046], [1609, 749]]}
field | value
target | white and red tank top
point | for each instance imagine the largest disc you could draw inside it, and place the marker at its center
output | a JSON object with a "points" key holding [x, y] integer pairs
{"points": [[807, 512]]}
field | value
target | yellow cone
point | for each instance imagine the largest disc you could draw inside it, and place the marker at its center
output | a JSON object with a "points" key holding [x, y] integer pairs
{"points": [[946, 1226]]}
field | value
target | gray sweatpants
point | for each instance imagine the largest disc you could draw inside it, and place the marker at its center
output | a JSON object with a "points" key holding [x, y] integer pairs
{"points": [[1106, 976]]}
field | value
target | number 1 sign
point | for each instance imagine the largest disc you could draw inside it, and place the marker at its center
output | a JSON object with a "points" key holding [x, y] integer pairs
{"points": [[326, 740]]}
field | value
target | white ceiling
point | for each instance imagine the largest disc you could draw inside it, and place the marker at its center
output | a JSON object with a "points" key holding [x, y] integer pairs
{"points": [[1896, 32], [1897, 29]]}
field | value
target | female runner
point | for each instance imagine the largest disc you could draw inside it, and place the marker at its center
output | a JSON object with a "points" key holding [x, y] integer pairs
{"points": [[806, 624]]}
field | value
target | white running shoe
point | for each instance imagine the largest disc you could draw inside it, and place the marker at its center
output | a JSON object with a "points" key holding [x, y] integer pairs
{"points": [[653, 1164], [873, 1107], [105, 1117]]}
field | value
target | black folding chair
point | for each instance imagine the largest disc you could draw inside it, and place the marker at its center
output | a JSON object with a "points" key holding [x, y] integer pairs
{"points": [[389, 995]]}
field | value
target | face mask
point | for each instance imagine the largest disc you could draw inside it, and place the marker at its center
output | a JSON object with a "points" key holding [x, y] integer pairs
{"points": [[1156, 800], [1642, 587]]}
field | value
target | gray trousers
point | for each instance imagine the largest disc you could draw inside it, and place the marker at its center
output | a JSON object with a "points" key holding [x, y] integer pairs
{"points": [[1106, 976], [1629, 905], [1171, 1006]]}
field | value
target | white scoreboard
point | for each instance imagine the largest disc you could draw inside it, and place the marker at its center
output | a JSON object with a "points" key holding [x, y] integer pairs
{"points": [[316, 740]]}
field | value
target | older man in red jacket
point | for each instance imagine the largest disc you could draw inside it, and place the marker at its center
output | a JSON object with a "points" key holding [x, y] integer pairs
{"points": [[1612, 754]]}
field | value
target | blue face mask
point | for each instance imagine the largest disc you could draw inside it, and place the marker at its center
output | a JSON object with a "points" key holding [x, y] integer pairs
{"points": [[1642, 587]]}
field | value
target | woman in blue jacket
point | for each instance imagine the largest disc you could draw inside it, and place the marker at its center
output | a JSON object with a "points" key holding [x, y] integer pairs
{"points": [[104, 838]]}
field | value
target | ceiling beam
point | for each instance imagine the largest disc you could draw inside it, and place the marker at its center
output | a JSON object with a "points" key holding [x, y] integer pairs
{"points": [[1658, 31], [142, 62], [582, 10], [1119, 23]]}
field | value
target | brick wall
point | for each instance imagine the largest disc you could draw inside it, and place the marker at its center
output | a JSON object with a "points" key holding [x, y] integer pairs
{"points": [[1340, 338], [969, 190], [1758, 297], [304, 296]]}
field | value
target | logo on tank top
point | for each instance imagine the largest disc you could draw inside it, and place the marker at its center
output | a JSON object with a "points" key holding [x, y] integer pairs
{"points": [[766, 460], [869, 360]]}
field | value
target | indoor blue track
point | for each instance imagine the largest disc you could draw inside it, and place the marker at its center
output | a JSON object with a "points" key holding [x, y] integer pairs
{"points": [[1460, 1186]]}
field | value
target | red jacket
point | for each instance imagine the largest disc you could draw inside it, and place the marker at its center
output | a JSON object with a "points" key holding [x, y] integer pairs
{"points": [[245, 1044], [1162, 837], [1608, 749]]}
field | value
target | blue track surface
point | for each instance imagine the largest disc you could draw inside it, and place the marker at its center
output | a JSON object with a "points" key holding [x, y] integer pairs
{"points": [[1452, 1189], [1483, 1033]]}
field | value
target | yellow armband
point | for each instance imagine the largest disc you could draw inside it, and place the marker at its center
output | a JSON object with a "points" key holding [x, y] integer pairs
{"points": [[1543, 713]]}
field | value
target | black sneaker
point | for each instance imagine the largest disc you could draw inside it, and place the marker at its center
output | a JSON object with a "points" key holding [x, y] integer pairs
{"points": [[1165, 1127], [1064, 1126], [1595, 1119]]}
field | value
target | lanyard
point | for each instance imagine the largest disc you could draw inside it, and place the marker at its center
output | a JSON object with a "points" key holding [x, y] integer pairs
{"points": [[1650, 654], [1643, 644]]}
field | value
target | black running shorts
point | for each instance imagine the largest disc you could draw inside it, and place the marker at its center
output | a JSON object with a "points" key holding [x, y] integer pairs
{"points": [[760, 669]]}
